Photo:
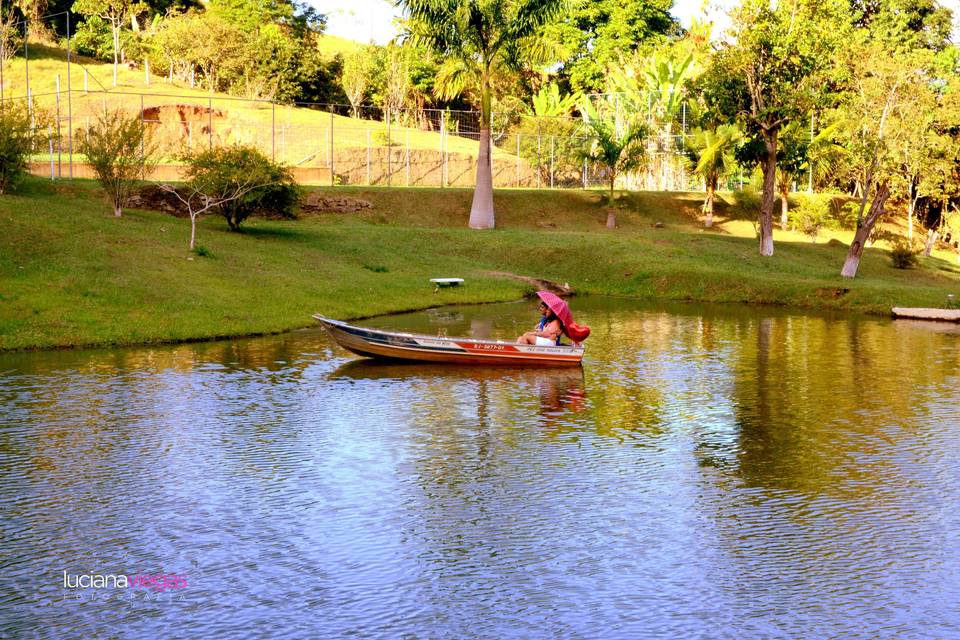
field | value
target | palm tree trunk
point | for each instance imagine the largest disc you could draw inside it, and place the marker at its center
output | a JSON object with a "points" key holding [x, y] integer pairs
{"points": [[611, 212], [708, 204], [481, 210]]}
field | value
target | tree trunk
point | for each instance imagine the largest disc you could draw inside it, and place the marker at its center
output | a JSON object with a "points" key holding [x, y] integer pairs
{"points": [[193, 231], [932, 236], [769, 192], [117, 211], [910, 209], [852, 262], [116, 47], [708, 203], [481, 211]]}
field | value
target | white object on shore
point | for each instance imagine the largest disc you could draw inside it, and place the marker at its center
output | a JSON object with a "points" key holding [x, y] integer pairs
{"points": [[919, 313], [445, 282]]}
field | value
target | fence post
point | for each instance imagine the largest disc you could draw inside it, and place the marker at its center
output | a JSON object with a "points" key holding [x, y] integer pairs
{"points": [[332, 179], [389, 152], [50, 142], [210, 122], [273, 131], [59, 159], [69, 106], [143, 134], [407, 145], [584, 173], [518, 159], [443, 145], [26, 56], [810, 174], [86, 81], [539, 161], [368, 157], [170, 74], [146, 70], [553, 139]]}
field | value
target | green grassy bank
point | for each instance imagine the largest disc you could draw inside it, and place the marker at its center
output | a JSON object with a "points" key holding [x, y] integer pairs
{"points": [[71, 274]]}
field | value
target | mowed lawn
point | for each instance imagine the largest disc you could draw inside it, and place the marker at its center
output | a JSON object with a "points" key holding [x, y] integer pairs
{"points": [[71, 274]]}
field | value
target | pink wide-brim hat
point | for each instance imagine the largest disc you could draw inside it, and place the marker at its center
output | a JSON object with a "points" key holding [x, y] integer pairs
{"points": [[574, 331]]}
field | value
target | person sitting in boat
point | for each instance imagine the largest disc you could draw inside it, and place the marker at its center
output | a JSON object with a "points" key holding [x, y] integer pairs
{"points": [[556, 320], [547, 333]]}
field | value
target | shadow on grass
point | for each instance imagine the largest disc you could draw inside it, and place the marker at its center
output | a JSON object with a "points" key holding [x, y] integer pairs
{"points": [[272, 230]]}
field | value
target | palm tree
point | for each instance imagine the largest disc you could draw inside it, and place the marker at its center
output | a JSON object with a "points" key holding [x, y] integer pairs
{"points": [[618, 153], [481, 37], [712, 151]]}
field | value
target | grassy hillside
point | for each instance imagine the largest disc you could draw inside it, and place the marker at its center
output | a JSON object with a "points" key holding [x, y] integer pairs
{"points": [[300, 132], [71, 274], [335, 45]]}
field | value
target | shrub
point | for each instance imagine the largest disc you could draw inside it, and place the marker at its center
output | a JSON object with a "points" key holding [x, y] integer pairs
{"points": [[903, 255], [272, 192], [812, 214], [383, 140], [18, 137], [121, 151]]}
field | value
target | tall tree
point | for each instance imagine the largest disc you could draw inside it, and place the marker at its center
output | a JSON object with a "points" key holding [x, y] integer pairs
{"points": [[879, 115], [771, 72], [116, 13], [356, 77], [482, 36]]}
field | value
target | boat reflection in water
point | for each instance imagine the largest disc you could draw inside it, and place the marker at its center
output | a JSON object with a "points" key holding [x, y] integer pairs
{"points": [[559, 391]]}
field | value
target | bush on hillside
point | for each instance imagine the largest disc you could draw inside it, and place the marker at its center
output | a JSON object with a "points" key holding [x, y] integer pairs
{"points": [[121, 151], [902, 254], [19, 136], [268, 189], [812, 213]]}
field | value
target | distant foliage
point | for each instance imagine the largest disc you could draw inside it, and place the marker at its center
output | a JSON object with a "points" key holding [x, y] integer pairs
{"points": [[265, 187], [121, 151], [19, 136]]}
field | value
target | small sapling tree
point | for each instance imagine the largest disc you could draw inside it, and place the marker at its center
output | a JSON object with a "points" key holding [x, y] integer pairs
{"points": [[236, 182], [619, 152], [121, 150]]}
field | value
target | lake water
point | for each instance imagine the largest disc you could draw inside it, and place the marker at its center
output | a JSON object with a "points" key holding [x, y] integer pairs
{"points": [[711, 472]]}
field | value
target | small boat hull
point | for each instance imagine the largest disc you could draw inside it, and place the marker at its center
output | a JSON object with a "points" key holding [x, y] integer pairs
{"points": [[375, 343]]}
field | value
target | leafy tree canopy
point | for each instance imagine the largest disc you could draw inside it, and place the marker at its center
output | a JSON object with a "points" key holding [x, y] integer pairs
{"points": [[904, 24], [597, 34]]}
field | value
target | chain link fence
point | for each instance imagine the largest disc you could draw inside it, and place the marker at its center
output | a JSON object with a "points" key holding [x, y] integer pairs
{"points": [[323, 144]]}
